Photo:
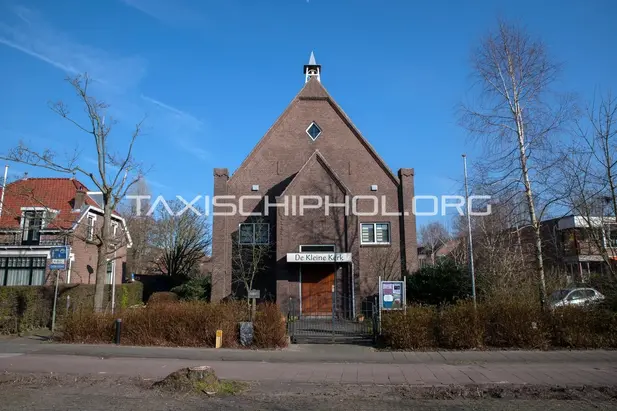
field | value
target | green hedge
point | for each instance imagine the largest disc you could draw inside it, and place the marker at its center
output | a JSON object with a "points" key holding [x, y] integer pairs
{"points": [[25, 308], [499, 324]]}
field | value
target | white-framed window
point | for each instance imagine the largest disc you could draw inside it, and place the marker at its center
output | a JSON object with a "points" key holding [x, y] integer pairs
{"points": [[90, 224], [313, 131], [254, 233], [32, 222], [111, 271], [22, 270], [611, 233], [114, 229], [375, 233]]}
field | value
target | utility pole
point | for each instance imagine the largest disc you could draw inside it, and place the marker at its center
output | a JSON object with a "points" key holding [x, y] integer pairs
{"points": [[471, 269], [6, 172]]}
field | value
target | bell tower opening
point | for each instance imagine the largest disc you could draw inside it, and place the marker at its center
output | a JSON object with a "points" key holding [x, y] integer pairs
{"points": [[312, 69]]}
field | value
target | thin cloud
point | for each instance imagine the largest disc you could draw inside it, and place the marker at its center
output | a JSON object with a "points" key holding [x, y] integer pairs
{"points": [[35, 37], [34, 54], [32, 35], [171, 12], [173, 110], [185, 128]]}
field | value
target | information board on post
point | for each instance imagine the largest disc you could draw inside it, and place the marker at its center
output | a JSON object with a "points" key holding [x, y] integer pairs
{"points": [[392, 295]]}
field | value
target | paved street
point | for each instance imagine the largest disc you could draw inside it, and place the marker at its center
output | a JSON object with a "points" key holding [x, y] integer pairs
{"points": [[38, 375], [300, 353], [320, 364]]}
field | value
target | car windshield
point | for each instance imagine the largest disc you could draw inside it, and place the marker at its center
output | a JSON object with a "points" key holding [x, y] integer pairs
{"points": [[559, 295]]}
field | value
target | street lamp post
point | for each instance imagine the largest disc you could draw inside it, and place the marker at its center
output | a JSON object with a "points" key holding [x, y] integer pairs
{"points": [[471, 269]]}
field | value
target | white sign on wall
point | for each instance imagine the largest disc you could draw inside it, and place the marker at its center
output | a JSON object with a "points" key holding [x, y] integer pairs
{"points": [[318, 257]]}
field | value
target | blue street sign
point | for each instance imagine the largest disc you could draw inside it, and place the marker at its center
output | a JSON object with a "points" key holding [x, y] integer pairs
{"points": [[58, 258]]}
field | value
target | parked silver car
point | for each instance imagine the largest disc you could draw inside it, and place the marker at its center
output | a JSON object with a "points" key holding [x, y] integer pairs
{"points": [[575, 296]]}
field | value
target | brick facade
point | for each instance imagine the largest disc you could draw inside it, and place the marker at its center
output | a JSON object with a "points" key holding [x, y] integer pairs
{"points": [[339, 163], [66, 206]]}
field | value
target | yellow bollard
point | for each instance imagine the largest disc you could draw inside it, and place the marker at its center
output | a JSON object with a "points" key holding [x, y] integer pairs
{"points": [[219, 338]]}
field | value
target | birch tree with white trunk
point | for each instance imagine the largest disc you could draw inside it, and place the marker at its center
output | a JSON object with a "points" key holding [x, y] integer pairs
{"points": [[517, 117]]}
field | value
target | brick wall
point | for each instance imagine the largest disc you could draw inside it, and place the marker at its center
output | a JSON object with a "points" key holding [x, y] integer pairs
{"points": [[277, 160]]}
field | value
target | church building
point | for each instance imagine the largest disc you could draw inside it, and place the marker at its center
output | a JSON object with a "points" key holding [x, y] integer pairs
{"points": [[313, 216]]}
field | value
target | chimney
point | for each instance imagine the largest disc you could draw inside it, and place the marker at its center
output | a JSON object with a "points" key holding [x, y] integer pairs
{"points": [[80, 198], [221, 269], [407, 219]]}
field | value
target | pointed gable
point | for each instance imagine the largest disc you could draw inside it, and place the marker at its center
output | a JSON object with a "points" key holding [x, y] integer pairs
{"points": [[317, 177], [318, 217], [313, 90], [286, 145]]}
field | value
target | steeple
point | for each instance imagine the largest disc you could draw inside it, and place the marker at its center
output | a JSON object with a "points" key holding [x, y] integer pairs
{"points": [[312, 69]]}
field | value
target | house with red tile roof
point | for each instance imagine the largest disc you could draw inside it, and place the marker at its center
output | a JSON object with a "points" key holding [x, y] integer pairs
{"points": [[37, 214]]}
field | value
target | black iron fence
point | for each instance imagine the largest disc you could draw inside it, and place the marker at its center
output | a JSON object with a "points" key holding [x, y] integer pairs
{"points": [[331, 317]]}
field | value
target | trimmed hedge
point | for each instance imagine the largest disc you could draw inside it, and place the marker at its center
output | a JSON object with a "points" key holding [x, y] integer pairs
{"points": [[410, 330], [269, 327], [575, 327], [450, 333], [179, 323], [162, 297], [24, 308], [505, 324]]}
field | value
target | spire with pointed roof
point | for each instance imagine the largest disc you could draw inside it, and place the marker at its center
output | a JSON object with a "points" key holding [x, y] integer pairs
{"points": [[312, 60], [312, 69]]}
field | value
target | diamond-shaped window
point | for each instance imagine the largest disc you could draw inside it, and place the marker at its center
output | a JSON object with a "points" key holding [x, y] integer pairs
{"points": [[313, 131]]}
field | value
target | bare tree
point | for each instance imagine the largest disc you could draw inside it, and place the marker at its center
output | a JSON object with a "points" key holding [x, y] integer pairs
{"points": [[141, 225], [516, 115], [433, 236], [114, 175], [183, 240], [251, 253], [590, 176]]}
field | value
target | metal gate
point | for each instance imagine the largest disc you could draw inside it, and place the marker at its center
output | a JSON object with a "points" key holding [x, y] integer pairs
{"points": [[331, 318]]}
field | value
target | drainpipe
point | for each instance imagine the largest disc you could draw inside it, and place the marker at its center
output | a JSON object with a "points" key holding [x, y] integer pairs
{"points": [[113, 284], [353, 290], [6, 172], [68, 274]]}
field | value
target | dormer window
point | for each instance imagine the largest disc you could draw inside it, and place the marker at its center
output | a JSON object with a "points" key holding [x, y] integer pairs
{"points": [[313, 131], [32, 226]]}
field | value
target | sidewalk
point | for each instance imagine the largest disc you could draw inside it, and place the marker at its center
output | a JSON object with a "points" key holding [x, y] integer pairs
{"points": [[319, 364], [316, 353], [420, 374]]}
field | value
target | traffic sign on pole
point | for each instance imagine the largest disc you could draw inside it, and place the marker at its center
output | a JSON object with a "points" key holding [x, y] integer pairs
{"points": [[59, 256]]}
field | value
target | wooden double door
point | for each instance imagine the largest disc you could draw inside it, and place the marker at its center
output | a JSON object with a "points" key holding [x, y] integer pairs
{"points": [[317, 288]]}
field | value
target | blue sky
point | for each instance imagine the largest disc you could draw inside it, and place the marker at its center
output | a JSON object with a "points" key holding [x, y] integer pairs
{"points": [[213, 76]]}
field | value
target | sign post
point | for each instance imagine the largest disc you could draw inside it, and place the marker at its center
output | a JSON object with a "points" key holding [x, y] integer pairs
{"points": [[253, 296], [392, 296], [59, 256]]}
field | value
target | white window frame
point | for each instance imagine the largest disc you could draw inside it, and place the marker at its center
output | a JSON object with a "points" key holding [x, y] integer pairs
{"points": [[375, 242], [254, 242], [43, 219], [90, 229], [114, 228], [309, 134], [109, 277]]}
